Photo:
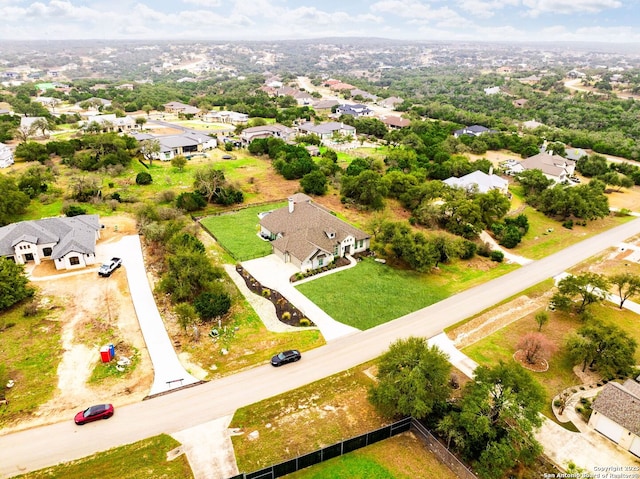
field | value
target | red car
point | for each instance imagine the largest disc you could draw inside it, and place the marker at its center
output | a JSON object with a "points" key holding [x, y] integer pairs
{"points": [[93, 413]]}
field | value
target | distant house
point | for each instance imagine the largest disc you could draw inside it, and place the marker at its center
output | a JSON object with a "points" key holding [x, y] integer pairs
{"points": [[275, 130], [187, 143], [473, 130], [180, 108], [27, 122], [530, 80], [390, 102], [574, 153], [231, 117], [395, 122], [532, 124], [480, 182], [326, 131], [364, 94], [616, 414], [356, 110], [494, 90], [6, 156], [325, 105], [308, 236], [69, 242], [554, 167], [111, 122], [341, 86]]}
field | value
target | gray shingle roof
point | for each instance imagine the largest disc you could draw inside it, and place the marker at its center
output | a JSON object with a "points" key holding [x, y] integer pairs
{"points": [[71, 234], [621, 404]]}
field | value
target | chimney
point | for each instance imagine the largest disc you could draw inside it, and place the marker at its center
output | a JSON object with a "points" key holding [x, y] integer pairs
{"points": [[291, 204]]}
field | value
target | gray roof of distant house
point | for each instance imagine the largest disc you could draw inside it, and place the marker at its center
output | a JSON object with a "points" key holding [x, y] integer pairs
{"points": [[621, 404], [71, 234], [324, 128]]}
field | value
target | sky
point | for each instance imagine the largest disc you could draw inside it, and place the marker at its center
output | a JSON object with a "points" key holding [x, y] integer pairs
{"points": [[616, 21]]}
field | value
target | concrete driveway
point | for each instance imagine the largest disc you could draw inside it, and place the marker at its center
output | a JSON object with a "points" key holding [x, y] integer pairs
{"points": [[273, 273]]}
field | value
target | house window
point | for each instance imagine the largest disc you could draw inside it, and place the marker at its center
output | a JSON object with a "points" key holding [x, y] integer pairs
{"points": [[74, 261], [335, 251], [47, 251], [321, 261], [360, 244]]}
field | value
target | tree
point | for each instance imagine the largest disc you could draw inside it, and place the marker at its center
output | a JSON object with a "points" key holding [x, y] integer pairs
{"points": [[35, 180], [140, 121], [212, 304], [14, 284], [367, 189], [186, 315], [208, 181], [179, 162], [588, 287], [413, 379], [494, 205], [144, 178], [13, 202], [32, 151], [625, 285], [150, 149], [542, 318], [84, 187], [604, 347], [314, 183], [497, 415], [534, 182], [536, 347]]}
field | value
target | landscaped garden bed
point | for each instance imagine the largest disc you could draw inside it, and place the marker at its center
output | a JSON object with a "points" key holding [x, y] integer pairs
{"points": [[285, 311]]}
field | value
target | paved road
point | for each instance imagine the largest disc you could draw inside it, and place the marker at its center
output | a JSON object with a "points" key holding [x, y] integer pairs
{"points": [[34, 449]]}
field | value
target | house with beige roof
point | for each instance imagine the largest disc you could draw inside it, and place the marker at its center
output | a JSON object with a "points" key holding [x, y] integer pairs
{"points": [[307, 235], [69, 242], [616, 414], [326, 131], [554, 167], [276, 130]]}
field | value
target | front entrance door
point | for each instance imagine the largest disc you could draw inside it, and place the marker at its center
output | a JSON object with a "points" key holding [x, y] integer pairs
{"points": [[28, 257]]}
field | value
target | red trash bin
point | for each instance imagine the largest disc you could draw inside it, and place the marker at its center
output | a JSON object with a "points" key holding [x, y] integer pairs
{"points": [[105, 354]]}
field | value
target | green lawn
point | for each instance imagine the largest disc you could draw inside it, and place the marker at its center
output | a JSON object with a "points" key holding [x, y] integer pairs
{"points": [[372, 293], [30, 352], [140, 460], [238, 231], [400, 457]]}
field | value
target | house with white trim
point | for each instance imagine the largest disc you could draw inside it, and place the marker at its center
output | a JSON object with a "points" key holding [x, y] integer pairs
{"points": [[276, 130], [554, 167], [6, 156], [69, 242], [616, 414], [307, 235], [326, 131]]}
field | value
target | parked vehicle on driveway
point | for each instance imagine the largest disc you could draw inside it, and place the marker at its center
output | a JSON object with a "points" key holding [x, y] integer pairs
{"points": [[109, 267], [93, 413], [289, 356]]}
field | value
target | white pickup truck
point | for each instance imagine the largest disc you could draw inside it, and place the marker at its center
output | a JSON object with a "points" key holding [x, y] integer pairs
{"points": [[109, 267]]}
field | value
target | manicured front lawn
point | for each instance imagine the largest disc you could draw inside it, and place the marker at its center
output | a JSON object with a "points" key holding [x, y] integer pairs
{"points": [[139, 460], [372, 293], [238, 231]]}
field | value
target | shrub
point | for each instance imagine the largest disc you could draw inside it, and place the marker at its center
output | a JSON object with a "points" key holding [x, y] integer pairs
{"points": [[266, 292], [190, 201], [568, 224], [304, 322], [484, 250], [166, 196], [497, 256], [143, 178], [212, 304], [31, 308], [286, 315], [73, 210]]}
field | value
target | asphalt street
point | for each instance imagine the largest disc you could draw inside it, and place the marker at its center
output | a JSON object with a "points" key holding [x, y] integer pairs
{"points": [[40, 447]]}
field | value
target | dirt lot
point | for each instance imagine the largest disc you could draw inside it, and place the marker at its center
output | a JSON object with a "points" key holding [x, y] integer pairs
{"points": [[92, 309]]}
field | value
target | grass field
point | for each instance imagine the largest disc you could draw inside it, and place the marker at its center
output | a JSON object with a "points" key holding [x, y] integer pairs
{"points": [[30, 350], [140, 460], [399, 457], [238, 231], [372, 293]]}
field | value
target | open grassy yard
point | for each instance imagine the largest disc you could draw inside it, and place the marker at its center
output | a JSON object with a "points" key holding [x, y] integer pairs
{"points": [[237, 231], [401, 457], [372, 293], [502, 344], [547, 236], [140, 460], [30, 353]]}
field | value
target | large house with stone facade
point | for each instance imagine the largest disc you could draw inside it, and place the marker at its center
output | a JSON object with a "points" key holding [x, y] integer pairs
{"points": [[308, 236], [69, 242]]}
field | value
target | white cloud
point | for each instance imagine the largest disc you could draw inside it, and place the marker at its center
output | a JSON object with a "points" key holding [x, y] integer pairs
{"points": [[485, 8], [204, 3], [538, 7]]}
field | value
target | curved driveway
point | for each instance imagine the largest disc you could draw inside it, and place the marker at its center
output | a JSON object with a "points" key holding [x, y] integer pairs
{"points": [[34, 449]]}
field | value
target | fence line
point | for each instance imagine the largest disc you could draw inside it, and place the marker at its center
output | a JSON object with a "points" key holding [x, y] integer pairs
{"points": [[349, 445]]}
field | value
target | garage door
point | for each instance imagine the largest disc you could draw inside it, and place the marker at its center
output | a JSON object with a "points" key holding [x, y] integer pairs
{"points": [[635, 446], [609, 428]]}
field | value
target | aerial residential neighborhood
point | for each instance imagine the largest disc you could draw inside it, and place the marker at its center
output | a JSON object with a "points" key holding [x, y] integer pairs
{"points": [[229, 259]]}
